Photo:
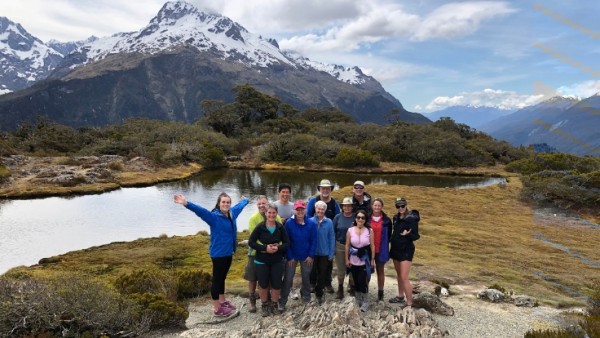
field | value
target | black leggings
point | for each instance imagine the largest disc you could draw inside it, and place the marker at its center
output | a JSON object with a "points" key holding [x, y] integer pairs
{"points": [[359, 274], [220, 269], [270, 274]]}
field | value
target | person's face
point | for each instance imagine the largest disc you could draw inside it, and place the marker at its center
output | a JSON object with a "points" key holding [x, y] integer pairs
{"points": [[358, 190], [360, 219], [377, 207], [261, 205], [320, 212], [284, 195], [271, 214], [299, 212], [401, 208], [347, 209], [325, 191], [225, 204]]}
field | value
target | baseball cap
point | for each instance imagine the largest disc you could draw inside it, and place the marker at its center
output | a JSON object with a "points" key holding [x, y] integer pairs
{"points": [[359, 183], [299, 204]]}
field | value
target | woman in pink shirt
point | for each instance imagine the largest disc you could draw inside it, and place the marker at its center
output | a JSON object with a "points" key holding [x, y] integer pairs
{"points": [[360, 257]]}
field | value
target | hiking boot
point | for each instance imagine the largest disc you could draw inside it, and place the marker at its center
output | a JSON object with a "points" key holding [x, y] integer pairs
{"points": [[329, 289], [340, 292], [380, 295], [397, 299], [364, 307], [312, 289], [294, 294], [351, 290], [265, 309], [320, 300], [222, 311], [252, 308]]}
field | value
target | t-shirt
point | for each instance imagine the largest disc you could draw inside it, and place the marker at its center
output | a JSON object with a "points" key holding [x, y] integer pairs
{"points": [[284, 211], [341, 224], [377, 227]]}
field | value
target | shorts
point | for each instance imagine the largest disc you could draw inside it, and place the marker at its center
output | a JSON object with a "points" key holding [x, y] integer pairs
{"points": [[270, 275], [402, 252], [250, 270]]}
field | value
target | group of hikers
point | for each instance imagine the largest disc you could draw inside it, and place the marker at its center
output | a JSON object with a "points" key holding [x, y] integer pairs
{"points": [[355, 234]]}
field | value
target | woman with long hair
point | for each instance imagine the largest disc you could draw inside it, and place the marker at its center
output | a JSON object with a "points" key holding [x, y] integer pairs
{"points": [[406, 231], [223, 242], [382, 231], [360, 257]]}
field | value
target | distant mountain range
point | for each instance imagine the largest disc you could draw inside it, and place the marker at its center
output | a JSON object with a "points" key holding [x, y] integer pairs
{"points": [[567, 124], [166, 69], [470, 115]]}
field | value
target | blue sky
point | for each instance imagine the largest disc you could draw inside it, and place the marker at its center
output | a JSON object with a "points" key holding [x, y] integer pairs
{"points": [[428, 54]]}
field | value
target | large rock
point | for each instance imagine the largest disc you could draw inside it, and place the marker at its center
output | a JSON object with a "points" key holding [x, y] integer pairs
{"points": [[524, 300], [432, 303], [493, 295]]}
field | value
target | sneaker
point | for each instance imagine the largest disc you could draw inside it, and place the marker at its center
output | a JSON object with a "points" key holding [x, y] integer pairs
{"points": [[280, 308], [228, 305], [397, 299], [294, 294], [222, 312]]}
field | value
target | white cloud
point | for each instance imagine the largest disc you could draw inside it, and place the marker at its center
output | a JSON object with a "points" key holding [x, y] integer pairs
{"points": [[458, 19], [582, 89], [488, 98]]}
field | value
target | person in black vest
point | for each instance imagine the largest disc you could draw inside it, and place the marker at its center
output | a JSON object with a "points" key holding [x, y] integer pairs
{"points": [[360, 198], [333, 208]]}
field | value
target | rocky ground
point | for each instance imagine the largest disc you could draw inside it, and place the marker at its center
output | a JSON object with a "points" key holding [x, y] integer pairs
{"points": [[472, 318]]}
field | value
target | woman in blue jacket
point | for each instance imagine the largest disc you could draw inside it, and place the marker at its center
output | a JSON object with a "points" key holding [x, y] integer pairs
{"points": [[223, 242]]}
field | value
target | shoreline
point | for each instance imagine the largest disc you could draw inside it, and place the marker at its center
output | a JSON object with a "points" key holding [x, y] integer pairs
{"points": [[24, 182]]}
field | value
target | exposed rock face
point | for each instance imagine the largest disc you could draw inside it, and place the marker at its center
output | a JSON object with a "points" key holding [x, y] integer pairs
{"points": [[337, 319]]}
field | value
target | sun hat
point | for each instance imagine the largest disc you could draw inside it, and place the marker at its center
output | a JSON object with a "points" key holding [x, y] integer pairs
{"points": [[347, 201], [325, 183]]}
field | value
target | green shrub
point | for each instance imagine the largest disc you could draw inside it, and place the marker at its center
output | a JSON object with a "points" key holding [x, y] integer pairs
{"points": [[352, 157], [116, 165], [152, 281], [4, 173], [65, 305], [192, 283], [158, 311], [296, 148]]}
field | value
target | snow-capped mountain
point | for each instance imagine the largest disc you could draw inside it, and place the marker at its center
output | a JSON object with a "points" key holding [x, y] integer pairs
{"points": [[65, 48], [564, 123], [184, 56], [24, 59], [473, 116]]}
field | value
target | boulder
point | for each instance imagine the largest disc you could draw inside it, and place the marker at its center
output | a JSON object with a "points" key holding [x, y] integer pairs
{"points": [[524, 300], [493, 295], [432, 303]]}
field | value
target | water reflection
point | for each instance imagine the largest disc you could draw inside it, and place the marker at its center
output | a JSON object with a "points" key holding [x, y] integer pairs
{"points": [[34, 229]]}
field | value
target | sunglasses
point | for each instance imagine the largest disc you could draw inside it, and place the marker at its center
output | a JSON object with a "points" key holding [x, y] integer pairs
{"points": [[360, 217], [358, 187], [401, 206]]}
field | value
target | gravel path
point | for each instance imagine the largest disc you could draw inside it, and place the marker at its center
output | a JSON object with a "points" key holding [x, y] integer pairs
{"points": [[473, 318]]}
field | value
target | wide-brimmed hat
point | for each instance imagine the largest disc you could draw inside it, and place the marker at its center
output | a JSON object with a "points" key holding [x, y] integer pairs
{"points": [[347, 201], [325, 183], [359, 183]]}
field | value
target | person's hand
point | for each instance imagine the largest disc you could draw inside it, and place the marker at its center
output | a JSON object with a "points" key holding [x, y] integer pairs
{"points": [[348, 263], [291, 262], [308, 261], [180, 199], [331, 259], [243, 197], [373, 262], [405, 232]]}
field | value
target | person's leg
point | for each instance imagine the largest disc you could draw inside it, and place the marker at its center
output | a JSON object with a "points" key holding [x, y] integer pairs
{"points": [[220, 269], [305, 270], [354, 272], [288, 280], [250, 276], [328, 274], [321, 265], [380, 268], [361, 286], [397, 265], [313, 278], [404, 272], [340, 265]]}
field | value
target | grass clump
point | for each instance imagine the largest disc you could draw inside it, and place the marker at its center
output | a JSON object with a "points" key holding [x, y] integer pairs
{"points": [[497, 287], [4, 173]]}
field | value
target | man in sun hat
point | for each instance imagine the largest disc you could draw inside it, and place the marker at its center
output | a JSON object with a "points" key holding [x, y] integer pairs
{"points": [[360, 198], [333, 208], [302, 232]]}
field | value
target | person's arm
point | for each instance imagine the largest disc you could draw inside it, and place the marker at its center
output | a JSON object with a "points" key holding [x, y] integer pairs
{"points": [[201, 212], [285, 240], [414, 225], [253, 241], [313, 241], [331, 242], [310, 207], [338, 210], [237, 209], [372, 240], [347, 249]]}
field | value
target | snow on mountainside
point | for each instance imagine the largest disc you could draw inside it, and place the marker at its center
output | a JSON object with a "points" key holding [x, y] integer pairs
{"points": [[67, 47], [24, 59], [181, 24]]}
